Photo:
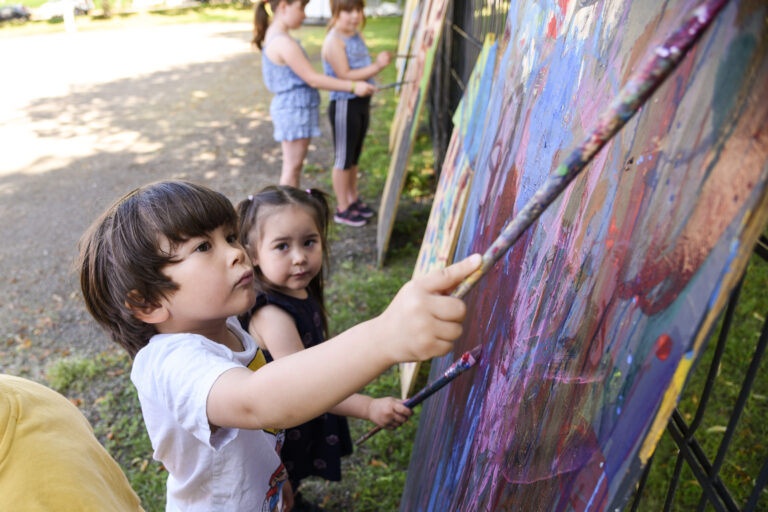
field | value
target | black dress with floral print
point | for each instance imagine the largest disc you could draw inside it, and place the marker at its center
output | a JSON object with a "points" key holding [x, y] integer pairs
{"points": [[313, 448]]}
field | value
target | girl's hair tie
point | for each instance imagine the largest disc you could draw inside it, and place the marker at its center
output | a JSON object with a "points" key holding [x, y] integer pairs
{"points": [[267, 7], [309, 191], [250, 197]]}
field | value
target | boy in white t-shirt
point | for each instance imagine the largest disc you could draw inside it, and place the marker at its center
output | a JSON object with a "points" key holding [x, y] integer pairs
{"points": [[163, 272]]}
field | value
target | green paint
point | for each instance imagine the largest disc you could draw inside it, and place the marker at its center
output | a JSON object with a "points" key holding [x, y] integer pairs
{"points": [[726, 90]]}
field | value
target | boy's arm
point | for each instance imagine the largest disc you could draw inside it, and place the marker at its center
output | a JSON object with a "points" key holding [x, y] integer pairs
{"points": [[277, 331], [421, 322]]}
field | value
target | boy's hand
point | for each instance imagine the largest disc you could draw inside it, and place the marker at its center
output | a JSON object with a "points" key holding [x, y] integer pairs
{"points": [[388, 412], [421, 322], [383, 59]]}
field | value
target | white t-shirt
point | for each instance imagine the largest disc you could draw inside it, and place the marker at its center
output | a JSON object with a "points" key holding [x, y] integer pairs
{"points": [[230, 470]]}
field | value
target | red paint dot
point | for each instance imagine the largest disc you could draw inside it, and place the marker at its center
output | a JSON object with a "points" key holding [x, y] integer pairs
{"points": [[663, 347], [552, 28]]}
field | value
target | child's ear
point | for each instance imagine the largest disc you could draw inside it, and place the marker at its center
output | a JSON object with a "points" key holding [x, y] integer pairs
{"points": [[147, 313]]}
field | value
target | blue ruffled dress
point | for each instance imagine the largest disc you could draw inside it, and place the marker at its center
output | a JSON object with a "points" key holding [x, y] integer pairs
{"points": [[295, 107]]}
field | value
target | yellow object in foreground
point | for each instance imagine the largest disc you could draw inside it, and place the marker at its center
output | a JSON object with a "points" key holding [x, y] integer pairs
{"points": [[49, 457]]}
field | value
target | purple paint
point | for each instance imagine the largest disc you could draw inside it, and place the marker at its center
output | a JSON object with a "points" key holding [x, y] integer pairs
{"points": [[612, 265]]}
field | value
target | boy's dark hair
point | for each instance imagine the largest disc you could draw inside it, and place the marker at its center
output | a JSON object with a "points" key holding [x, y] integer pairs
{"points": [[122, 256], [313, 201], [261, 18], [345, 5]]}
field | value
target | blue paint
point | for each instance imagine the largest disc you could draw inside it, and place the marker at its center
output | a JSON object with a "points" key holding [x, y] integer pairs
{"points": [[474, 133], [726, 268]]}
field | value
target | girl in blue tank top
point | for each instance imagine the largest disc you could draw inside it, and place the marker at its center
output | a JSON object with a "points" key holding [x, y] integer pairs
{"points": [[289, 75], [346, 56]]}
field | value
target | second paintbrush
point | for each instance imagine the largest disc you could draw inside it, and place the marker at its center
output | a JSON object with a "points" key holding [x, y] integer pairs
{"points": [[465, 362]]}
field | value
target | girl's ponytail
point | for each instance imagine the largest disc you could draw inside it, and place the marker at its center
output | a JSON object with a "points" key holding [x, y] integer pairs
{"points": [[260, 22]]}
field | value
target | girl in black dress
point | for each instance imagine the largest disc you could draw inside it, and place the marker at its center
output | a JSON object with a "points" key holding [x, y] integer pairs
{"points": [[284, 232]]}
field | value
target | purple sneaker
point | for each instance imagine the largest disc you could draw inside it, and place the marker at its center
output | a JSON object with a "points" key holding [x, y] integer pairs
{"points": [[349, 217], [362, 209]]}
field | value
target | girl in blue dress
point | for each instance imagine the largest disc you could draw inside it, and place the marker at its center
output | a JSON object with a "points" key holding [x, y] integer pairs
{"points": [[289, 75], [345, 55], [284, 229]]}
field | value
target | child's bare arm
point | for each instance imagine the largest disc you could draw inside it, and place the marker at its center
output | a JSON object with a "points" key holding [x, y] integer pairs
{"points": [[275, 330], [292, 54], [420, 323], [334, 53], [386, 412]]}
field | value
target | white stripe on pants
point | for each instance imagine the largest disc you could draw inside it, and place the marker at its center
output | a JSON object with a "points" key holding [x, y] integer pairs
{"points": [[340, 132]]}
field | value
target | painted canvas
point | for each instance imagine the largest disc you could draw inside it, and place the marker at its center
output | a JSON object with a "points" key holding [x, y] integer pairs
{"points": [[411, 16], [592, 321], [447, 211], [405, 122]]}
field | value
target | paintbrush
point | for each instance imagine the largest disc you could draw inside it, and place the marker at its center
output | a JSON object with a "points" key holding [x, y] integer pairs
{"points": [[393, 84], [466, 361], [650, 75], [397, 56]]}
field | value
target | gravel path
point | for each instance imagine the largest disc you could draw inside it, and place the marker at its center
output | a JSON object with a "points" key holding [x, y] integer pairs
{"points": [[86, 117]]}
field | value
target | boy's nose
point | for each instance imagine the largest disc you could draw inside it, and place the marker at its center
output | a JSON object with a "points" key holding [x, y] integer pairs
{"points": [[237, 254]]}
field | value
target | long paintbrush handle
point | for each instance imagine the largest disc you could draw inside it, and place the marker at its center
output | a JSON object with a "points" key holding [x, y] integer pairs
{"points": [[633, 95], [466, 361]]}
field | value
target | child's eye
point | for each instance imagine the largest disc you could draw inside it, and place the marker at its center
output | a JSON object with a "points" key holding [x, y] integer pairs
{"points": [[231, 239], [281, 247], [310, 242], [203, 247]]}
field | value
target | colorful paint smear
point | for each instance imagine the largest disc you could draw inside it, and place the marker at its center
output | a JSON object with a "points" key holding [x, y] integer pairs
{"points": [[592, 320]]}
